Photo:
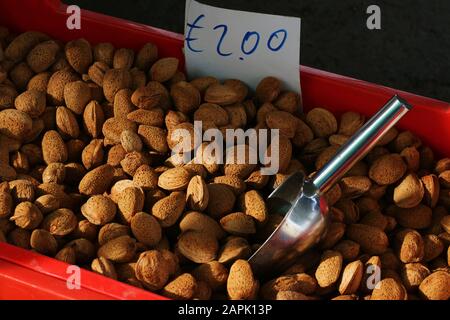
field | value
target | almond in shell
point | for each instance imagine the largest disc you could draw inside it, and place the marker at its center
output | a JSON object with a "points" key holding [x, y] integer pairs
{"points": [[199, 247], [154, 138], [27, 216], [418, 217], [60, 222], [280, 159], [104, 267], [130, 201], [164, 69], [15, 124], [175, 179], [253, 205], [153, 117], [43, 242], [413, 274], [197, 194], [221, 200], [387, 169], [57, 83], [389, 289], [221, 94], [120, 249], [411, 157], [146, 229], [268, 89], [238, 223], [211, 113], [97, 181], [185, 96], [21, 45], [93, 119], [79, 55], [350, 123], [433, 247], [92, 155], [6, 204], [66, 123], [322, 122], [115, 80], [444, 179], [436, 286], [202, 83], [241, 283], [235, 183], [431, 189], [169, 209], [329, 269], [409, 192], [354, 186], [32, 102], [153, 95], [152, 270], [335, 232], [213, 273], [77, 95], [371, 239], [99, 210], [110, 231], [145, 177], [288, 101], [197, 221], [299, 282], [282, 120], [113, 128], [182, 287], [411, 246], [303, 134], [122, 103], [130, 141]]}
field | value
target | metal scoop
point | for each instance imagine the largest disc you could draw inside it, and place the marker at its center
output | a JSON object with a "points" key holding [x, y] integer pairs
{"points": [[301, 199]]}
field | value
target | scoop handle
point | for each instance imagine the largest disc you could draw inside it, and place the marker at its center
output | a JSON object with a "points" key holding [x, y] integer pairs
{"points": [[360, 143]]}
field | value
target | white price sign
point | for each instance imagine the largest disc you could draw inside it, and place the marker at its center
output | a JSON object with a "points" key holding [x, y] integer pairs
{"points": [[241, 45]]}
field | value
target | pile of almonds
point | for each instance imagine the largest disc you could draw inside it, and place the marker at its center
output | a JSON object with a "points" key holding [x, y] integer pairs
{"points": [[87, 177]]}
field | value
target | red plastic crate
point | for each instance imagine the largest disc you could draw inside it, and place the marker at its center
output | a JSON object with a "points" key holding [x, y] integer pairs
{"points": [[28, 275]]}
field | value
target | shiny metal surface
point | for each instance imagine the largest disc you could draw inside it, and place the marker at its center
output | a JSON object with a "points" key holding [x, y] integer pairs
{"points": [[304, 224], [299, 199], [361, 143]]}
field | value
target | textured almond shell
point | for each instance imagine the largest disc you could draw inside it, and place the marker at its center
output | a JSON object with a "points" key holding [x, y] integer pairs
{"points": [[199, 247], [371, 239], [169, 209], [351, 278], [96, 181], [329, 269], [238, 223], [14, 123], [197, 194], [175, 179], [409, 192], [182, 287], [120, 249], [241, 284], [389, 289]]}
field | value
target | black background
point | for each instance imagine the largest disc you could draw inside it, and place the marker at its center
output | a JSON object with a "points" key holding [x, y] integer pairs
{"points": [[411, 52]]}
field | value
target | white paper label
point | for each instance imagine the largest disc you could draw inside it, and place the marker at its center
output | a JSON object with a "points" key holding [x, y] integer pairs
{"points": [[248, 46]]}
